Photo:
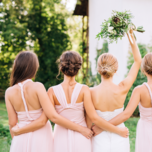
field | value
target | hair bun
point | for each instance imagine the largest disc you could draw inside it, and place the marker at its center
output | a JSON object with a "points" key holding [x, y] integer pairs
{"points": [[107, 65], [70, 63]]}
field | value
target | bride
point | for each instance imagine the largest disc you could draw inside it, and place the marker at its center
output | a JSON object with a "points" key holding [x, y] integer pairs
{"points": [[109, 99]]}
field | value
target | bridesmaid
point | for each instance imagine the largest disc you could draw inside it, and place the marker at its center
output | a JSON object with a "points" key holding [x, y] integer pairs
{"points": [[142, 96], [70, 99], [25, 100]]}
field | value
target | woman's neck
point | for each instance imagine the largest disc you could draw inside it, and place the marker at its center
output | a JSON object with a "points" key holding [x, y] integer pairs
{"points": [[69, 80], [149, 79], [106, 80]]}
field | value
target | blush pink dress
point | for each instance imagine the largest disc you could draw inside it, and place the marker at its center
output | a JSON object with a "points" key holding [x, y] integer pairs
{"points": [[144, 128], [66, 140], [37, 141]]}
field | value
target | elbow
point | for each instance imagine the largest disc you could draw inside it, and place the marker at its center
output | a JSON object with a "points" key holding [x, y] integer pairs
{"points": [[12, 124], [94, 118], [54, 118], [43, 122], [139, 61], [126, 117]]}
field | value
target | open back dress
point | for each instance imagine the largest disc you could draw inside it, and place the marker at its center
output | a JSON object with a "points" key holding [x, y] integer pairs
{"points": [[66, 140], [38, 141]]}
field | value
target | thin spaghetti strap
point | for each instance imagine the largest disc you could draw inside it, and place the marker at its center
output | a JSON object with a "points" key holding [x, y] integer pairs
{"points": [[23, 98], [146, 84]]}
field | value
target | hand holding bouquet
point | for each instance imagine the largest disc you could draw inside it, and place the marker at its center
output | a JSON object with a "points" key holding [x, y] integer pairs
{"points": [[116, 26]]}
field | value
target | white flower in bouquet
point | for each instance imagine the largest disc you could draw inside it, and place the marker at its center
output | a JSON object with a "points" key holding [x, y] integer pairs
{"points": [[110, 29], [116, 26]]}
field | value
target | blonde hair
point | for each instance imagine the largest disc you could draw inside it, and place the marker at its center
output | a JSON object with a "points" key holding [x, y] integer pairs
{"points": [[107, 65], [146, 65]]}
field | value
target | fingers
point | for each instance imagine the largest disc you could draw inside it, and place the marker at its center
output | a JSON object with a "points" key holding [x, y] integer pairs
{"points": [[127, 134], [90, 135], [131, 31]]}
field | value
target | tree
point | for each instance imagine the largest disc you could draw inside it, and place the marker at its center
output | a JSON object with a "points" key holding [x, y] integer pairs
{"points": [[38, 26], [91, 79], [140, 77], [13, 36], [48, 30], [105, 49]]}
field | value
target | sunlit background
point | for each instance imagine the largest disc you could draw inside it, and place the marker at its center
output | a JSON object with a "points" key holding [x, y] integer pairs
{"points": [[50, 27]]}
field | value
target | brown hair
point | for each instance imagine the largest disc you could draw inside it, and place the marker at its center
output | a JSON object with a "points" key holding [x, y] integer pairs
{"points": [[25, 67], [146, 65], [107, 65], [69, 63]]}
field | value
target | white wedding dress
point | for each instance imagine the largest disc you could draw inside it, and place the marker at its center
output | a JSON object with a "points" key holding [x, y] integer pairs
{"points": [[107, 141]]}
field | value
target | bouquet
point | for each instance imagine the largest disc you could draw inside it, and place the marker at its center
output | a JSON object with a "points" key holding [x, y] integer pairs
{"points": [[116, 26]]}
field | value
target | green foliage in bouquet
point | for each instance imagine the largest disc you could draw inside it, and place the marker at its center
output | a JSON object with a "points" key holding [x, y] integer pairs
{"points": [[117, 25]]}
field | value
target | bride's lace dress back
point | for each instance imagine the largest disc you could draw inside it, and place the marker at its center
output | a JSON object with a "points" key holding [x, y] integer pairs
{"points": [[107, 141]]}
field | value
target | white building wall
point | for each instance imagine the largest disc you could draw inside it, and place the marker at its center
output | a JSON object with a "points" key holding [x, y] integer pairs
{"points": [[102, 9]]}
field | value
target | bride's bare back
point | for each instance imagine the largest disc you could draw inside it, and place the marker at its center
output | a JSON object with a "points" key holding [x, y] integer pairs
{"points": [[108, 96]]}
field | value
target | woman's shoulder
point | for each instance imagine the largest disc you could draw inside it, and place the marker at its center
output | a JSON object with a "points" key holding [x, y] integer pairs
{"points": [[11, 91], [140, 89], [50, 89]]}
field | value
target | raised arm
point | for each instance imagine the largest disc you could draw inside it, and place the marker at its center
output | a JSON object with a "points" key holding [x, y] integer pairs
{"points": [[97, 120], [129, 80], [12, 116]]}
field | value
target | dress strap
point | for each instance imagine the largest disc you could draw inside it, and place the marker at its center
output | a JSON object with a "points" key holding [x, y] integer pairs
{"points": [[149, 91], [76, 93], [23, 98], [59, 93]]}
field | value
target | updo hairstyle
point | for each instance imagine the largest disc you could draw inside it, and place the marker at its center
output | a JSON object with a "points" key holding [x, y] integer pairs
{"points": [[146, 65], [70, 63], [107, 65]]}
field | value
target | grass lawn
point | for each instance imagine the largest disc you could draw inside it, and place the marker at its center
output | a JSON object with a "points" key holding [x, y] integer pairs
{"points": [[3, 114], [4, 147], [131, 125]]}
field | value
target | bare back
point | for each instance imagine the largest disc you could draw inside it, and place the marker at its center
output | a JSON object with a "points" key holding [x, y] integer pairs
{"points": [[145, 95], [30, 95], [108, 97]]}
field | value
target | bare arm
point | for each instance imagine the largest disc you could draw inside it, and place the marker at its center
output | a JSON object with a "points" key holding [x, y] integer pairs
{"points": [[12, 116], [88, 121], [33, 126], [49, 110], [129, 80], [126, 114], [46, 103], [40, 122], [90, 110]]}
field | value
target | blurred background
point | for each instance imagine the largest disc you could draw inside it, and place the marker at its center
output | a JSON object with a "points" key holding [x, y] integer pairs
{"points": [[49, 27]]}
